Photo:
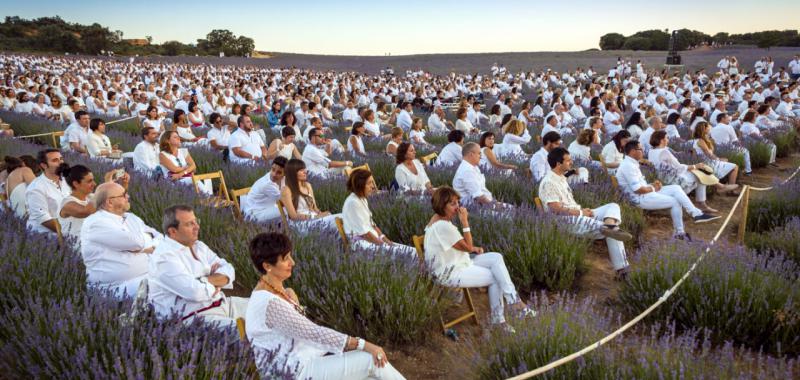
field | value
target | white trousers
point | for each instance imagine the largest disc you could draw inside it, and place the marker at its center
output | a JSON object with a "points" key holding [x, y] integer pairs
{"points": [[591, 227], [487, 269], [324, 223], [355, 365], [224, 316], [694, 184], [394, 249], [673, 198], [773, 153]]}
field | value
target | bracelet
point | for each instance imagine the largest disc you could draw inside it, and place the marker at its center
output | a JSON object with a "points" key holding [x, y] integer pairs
{"points": [[465, 230], [361, 344]]}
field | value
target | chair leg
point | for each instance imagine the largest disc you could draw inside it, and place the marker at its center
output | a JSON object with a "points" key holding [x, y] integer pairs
{"points": [[471, 306]]}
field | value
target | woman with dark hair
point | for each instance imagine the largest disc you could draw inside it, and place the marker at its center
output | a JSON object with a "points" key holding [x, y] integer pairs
{"points": [[612, 154], [298, 199], [495, 118], [273, 115], [410, 172], [181, 125], [153, 119], [357, 217], [634, 126], [196, 117], [396, 137], [355, 145], [674, 122], [288, 120], [284, 146], [112, 105], [20, 173], [78, 205], [699, 115], [488, 158], [456, 262], [99, 144], [276, 322]]}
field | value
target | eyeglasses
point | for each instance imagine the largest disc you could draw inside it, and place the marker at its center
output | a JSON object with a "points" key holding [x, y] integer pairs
{"points": [[124, 194]]}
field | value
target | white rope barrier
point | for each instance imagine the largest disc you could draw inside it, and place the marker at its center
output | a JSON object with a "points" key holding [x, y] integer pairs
{"points": [[668, 293], [121, 120]]}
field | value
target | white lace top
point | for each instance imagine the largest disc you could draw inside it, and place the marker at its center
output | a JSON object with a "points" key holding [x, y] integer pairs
{"points": [[274, 324]]}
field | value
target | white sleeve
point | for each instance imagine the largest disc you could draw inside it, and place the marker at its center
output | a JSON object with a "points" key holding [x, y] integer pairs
{"points": [[38, 211], [356, 219], [285, 319]]}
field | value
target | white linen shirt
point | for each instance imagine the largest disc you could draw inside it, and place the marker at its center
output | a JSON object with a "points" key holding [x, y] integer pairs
{"points": [[261, 202], [357, 217], [248, 142], [408, 181], [538, 164], [43, 199], [470, 183], [723, 134], [316, 160], [145, 157], [450, 155], [440, 252], [630, 178], [222, 136]]}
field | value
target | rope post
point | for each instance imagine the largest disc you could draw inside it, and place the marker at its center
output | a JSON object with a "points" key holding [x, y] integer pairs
{"points": [[743, 221]]}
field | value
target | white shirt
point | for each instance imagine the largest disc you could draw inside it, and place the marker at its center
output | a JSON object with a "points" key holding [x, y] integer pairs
{"points": [[410, 181], [97, 143], [470, 183], [175, 277], [43, 198], [664, 160], [538, 164], [112, 245], [316, 160], [644, 139], [404, 120], [221, 135], [723, 134], [261, 202], [76, 134], [357, 217], [555, 188], [249, 142], [145, 157], [351, 114], [440, 253], [71, 226], [435, 124], [630, 178], [579, 152], [464, 126], [450, 155]]}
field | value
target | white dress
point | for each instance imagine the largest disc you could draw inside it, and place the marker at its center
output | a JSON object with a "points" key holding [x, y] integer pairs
{"points": [[17, 200], [359, 142], [512, 145], [71, 226], [408, 181], [304, 226], [413, 136], [286, 151], [206, 187], [580, 152], [357, 220], [721, 168], [611, 155]]}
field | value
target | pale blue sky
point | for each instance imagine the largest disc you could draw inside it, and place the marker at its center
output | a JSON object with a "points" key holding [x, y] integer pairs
{"points": [[413, 27]]}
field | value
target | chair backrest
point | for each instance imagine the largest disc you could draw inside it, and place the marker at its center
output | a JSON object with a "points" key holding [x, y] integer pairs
{"points": [[538, 202], [429, 159], [340, 227], [240, 325], [419, 244], [56, 136], [348, 171], [223, 190], [284, 218], [235, 194]]}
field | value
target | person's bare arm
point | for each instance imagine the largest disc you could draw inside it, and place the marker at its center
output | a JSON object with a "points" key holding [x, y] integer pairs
{"points": [[76, 210]]}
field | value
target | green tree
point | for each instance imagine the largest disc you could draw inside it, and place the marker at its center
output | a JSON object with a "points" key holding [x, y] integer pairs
{"points": [[172, 47], [637, 43], [244, 46], [221, 40], [768, 39], [96, 38], [612, 41], [721, 38]]}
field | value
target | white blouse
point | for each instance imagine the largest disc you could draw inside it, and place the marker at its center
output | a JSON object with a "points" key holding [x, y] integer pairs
{"points": [[359, 142], [409, 181], [440, 253], [71, 226], [580, 152], [357, 217], [611, 155], [97, 143]]}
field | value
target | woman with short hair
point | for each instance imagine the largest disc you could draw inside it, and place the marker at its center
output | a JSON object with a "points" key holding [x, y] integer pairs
{"points": [[284, 146], [99, 144], [410, 172], [612, 154], [278, 327], [581, 148], [394, 141]]}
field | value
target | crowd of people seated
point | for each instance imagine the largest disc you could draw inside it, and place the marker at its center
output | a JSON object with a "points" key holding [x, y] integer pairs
{"points": [[614, 121]]}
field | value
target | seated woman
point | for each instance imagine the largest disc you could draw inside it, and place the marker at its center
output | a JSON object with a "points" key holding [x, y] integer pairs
{"points": [[612, 155], [635, 125], [274, 114], [462, 123], [488, 158], [99, 145], [298, 199], [355, 144], [196, 117], [669, 167], [749, 129], [410, 172], [357, 218], [448, 254], [515, 135], [154, 120], [284, 146], [417, 135], [176, 163], [21, 172], [78, 205], [371, 123], [704, 147], [181, 125], [277, 321], [394, 142], [581, 148]]}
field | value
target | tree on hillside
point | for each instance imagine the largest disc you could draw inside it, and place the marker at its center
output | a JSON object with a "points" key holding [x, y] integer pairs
{"points": [[221, 40], [636, 43], [612, 41], [656, 40], [172, 47], [721, 38], [244, 46]]}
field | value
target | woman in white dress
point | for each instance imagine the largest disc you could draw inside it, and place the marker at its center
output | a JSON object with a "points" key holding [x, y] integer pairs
{"points": [[749, 129], [181, 125], [704, 146], [175, 162], [153, 119], [196, 117], [612, 155], [39, 108], [298, 200], [488, 157], [371, 123], [495, 117], [284, 146], [634, 126], [410, 172], [675, 172], [581, 148], [525, 114], [112, 105], [450, 256], [394, 142], [463, 124], [21, 172], [99, 145], [277, 321], [357, 218], [417, 134], [515, 135], [355, 144]]}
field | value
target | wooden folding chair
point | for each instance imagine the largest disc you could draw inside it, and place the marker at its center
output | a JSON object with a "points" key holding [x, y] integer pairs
{"points": [[348, 171], [284, 217], [429, 158], [340, 227], [614, 182], [538, 202], [419, 245], [240, 325], [235, 194], [56, 136], [59, 234], [223, 199]]}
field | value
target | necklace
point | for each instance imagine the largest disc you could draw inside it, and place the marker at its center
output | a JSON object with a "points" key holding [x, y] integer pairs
{"points": [[300, 309]]}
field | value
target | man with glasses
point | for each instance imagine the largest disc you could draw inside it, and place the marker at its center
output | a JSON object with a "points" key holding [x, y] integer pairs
{"points": [[656, 196], [44, 195], [316, 157], [219, 135], [186, 277], [116, 244]]}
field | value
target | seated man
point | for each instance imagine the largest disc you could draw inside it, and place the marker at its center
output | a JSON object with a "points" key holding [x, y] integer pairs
{"points": [[469, 182], [600, 223], [76, 136], [655, 196], [723, 133], [145, 155], [451, 153], [316, 157], [116, 244], [245, 144], [44, 195], [186, 277], [260, 204], [539, 166]]}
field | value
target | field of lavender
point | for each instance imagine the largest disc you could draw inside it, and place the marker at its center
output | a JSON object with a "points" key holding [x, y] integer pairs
{"points": [[737, 317]]}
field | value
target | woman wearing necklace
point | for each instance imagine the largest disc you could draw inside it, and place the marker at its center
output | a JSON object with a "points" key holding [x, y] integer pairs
{"points": [[276, 321]]}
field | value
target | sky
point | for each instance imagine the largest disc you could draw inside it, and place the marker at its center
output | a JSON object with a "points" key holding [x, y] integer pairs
{"points": [[356, 27]]}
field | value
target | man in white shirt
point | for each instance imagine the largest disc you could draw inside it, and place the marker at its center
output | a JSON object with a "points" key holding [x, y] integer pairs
{"points": [[219, 135], [539, 166], [437, 122], [316, 158], [794, 67], [600, 223], [186, 277], [301, 115], [116, 244], [451, 153], [723, 133], [245, 144], [183, 104], [653, 124], [612, 119], [351, 113], [552, 125], [44, 195], [76, 136], [784, 108], [469, 182], [145, 155], [260, 204], [656, 196], [404, 117], [475, 116], [577, 110]]}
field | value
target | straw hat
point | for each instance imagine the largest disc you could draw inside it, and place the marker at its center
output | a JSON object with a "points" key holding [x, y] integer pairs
{"points": [[705, 175]]}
